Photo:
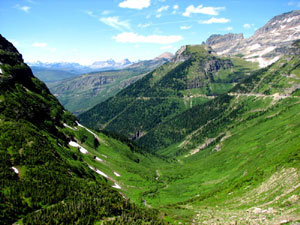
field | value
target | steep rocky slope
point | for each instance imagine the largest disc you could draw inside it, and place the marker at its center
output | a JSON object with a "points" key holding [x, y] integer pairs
{"points": [[266, 45]]}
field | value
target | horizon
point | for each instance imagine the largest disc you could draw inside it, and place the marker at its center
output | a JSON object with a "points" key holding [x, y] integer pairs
{"points": [[89, 31]]}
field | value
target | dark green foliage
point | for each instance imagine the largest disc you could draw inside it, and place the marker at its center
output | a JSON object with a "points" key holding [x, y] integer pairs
{"points": [[131, 144], [175, 129], [53, 184], [165, 93]]}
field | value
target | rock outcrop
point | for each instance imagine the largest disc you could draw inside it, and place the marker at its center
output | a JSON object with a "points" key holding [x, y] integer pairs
{"points": [[266, 45]]}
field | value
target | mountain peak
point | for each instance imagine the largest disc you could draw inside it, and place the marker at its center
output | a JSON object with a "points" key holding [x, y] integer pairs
{"points": [[267, 44], [11, 55], [219, 39], [186, 51], [165, 55], [284, 21]]}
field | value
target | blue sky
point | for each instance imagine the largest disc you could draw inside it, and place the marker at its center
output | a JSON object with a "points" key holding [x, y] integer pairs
{"points": [[85, 31]]}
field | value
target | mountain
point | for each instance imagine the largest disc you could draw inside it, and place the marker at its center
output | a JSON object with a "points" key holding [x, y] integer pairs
{"points": [[232, 158], [51, 75], [111, 64], [194, 76], [237, 154], [235, 158], [266, 45], [52, 72], [50, 170], [74, 68], [83, 92], [215, 118], [165, 55]]}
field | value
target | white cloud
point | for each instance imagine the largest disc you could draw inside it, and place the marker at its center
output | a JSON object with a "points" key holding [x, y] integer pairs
{"points": [[130, 37], [144, 25], [135, 4], [166, 47], [158, 16], [175, 8], [163, 8], [215, 20], [90, 13], [185, 27], [214, 11], [247, 26], [228, 28], [39, 45], [105, 12], [115, 23], [23, 8]]}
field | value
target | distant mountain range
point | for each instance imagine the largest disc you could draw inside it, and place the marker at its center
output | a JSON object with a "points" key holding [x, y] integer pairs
{"points": [[77, 68], [80, 93]]}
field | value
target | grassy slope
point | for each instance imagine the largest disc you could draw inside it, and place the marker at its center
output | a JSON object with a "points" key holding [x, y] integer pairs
{"points": [[245, 166], [253, 160], [53, 184], [166, 92]]}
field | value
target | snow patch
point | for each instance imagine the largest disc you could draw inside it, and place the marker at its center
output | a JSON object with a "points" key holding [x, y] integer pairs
{"points": [[86, 129], [91, 167], [267, 50], [74, 144], [118, 175], [98, 159], [66, 125], [291, 18], [116, 186], [255, 46], [101, 173], [15, 170], [282, 26], [0, 70], [81, 149], [263, 62], [104, 156]]}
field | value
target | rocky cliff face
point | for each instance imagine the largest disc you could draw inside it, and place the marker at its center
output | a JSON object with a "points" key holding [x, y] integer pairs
{"points": [[227, 42], [179, 56], [266, 45]]}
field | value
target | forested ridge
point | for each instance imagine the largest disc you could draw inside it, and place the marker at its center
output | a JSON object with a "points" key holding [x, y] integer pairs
{"points": [[42, 180]]}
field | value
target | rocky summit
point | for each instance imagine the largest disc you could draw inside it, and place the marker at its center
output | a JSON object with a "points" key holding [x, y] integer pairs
{"points": [[266, 45]]}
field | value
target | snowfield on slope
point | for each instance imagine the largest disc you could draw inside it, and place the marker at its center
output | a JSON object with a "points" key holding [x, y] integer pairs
{"points": [[75, 144]]}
